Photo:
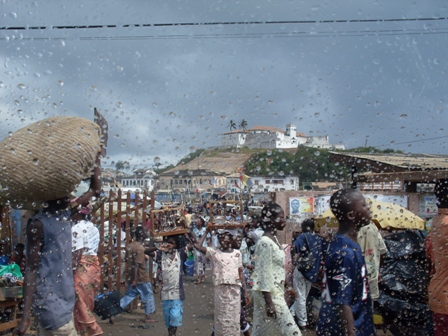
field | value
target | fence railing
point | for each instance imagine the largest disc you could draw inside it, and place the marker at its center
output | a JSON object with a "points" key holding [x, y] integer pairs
{"points": [[118, 215]]}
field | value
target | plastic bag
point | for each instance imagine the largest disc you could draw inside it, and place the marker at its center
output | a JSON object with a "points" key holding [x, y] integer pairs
{"points": [[402, 301], [14, 269]]}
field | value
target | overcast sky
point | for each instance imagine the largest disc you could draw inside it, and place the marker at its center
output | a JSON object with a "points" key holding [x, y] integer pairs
{"points": [[167, 90]]}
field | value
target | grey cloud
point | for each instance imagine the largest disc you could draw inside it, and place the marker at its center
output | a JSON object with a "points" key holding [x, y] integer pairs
{"points": [[165, 95]]}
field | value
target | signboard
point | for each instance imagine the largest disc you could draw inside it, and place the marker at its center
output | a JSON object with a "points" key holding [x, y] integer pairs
{"points": [[301, 205], [427, 206], [322, 203], [431, 206]]}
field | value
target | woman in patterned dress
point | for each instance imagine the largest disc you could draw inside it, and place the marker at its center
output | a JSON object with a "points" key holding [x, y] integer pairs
{"points": [[271, 313], [228, 279]]}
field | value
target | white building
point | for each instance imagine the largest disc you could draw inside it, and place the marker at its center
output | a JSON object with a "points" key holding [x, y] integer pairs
{"points": [[264, 184], [141, 180], [273, 137], [322, 142]]}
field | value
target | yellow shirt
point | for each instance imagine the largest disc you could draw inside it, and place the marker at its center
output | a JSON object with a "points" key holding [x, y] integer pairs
{"points": [[372, 246], [188, 220]]}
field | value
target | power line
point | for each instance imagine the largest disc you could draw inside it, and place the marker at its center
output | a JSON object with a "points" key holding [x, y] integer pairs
{"points": [[220, 23], [293, 34], [408, 142]]}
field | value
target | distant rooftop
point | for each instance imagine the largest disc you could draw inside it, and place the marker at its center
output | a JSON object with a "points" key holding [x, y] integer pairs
{"points": [[392, 167], [263, 128], [382, 163]]}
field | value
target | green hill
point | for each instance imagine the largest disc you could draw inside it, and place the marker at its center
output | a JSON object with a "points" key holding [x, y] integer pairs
{"points": [[310, 164]]}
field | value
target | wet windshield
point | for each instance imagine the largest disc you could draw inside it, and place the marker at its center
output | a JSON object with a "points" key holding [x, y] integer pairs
{"points": [[211, 110]]}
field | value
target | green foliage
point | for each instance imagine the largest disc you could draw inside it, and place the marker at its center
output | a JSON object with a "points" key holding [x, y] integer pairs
{"points": [[372, 150], [314, 165], [232, 125], [163, 169], [243, 124], [191, 156], [310, 164], [119, 165]]}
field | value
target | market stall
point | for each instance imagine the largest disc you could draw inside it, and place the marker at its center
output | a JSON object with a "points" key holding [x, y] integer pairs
{"points": [[11, 277]]}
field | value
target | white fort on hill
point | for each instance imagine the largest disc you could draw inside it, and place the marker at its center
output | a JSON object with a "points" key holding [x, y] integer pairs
{"points": [[273, 137]]}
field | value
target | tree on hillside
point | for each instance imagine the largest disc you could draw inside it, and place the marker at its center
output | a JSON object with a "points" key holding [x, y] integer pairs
{"points": [[310, 164], [119, 165], [159, 170], [243, 124], [232, 125], [373, 150], [156, 165]]}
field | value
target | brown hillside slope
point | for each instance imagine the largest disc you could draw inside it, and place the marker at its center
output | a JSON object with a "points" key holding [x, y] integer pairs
{"points": [[223, 162]]}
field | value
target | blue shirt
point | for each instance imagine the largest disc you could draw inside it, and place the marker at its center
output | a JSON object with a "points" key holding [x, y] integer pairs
{"points": [[54, 298], [345, 283], [317, 246]]}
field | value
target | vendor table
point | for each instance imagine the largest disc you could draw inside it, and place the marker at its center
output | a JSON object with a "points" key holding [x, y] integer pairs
{"points": [[13, 320]]}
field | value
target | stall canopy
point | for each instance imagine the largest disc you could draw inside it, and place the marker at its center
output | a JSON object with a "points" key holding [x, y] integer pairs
{"points": [[392, 167]]}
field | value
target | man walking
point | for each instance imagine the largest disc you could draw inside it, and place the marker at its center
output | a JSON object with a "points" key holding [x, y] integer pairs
{"points": [[139, 281]]}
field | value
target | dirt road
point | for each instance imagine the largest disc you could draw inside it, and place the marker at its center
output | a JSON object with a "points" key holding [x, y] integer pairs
{"points": [[198, 315]]}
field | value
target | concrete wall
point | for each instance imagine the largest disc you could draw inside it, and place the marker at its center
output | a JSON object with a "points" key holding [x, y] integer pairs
{"points": [[271, 140], [232, 140]]}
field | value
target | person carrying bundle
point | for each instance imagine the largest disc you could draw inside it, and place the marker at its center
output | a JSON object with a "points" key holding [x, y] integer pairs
{"points": [[228, 279], [48, 284]]}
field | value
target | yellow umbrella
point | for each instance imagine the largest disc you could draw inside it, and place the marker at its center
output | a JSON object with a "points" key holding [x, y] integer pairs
{"points": [[385, 215], [327, 218]]}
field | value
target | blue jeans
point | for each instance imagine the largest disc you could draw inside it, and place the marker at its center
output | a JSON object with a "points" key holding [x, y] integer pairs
{"points": [[145, 291], [172, 312]]}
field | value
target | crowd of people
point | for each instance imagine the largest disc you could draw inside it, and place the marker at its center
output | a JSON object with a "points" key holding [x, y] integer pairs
{"points": [[249, 268]]}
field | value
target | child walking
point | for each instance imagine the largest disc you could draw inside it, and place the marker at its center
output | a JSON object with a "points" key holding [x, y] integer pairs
{"points": [[228, 279], [171, 257]]}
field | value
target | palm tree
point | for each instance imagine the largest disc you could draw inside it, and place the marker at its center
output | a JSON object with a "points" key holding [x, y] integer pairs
{"points": [[232, 125], [243, 124]]}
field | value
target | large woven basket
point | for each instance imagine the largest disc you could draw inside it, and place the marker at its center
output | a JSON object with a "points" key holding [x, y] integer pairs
{"points": [[47, 159]]}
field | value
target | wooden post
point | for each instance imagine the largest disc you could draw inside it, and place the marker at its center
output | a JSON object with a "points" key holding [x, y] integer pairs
{"points": [[6, 231], [144, 206], [101, 248], [110, 241], [136, 216], [118, 229]]}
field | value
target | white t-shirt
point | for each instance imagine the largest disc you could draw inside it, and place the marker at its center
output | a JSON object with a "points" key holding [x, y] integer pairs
{"points": [[85, 236]]}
